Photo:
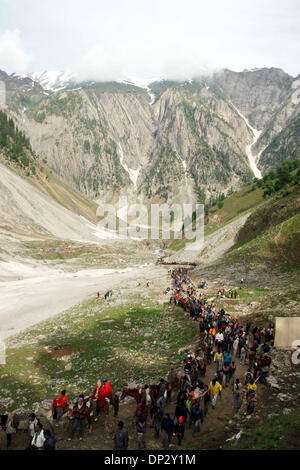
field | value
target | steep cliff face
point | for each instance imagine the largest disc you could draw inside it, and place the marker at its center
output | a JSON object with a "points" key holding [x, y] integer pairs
{"points": [[265, 97], [86, 135], [200, 142], [284, 146], [258, 94], [168, 142]]}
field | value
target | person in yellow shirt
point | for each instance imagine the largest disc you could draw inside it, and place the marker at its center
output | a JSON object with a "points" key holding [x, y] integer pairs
{"points": [[252, 386], [251, 396], [215, 389], [218, 358]]}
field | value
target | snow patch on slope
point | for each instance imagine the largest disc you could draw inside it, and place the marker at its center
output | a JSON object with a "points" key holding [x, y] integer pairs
{"points": [[253, 159], [133, 174], [143, 83]]}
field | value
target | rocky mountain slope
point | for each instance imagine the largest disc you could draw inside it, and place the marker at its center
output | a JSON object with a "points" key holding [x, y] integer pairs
{"points": [[164, 141], [285, 145], [265, 97], [34, 201], [33, 214]]}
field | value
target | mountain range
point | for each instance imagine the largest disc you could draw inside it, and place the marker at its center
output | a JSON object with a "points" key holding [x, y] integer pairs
{"points": [[158, 140]]}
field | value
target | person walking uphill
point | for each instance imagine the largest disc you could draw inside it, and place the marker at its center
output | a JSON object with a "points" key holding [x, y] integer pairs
{"points": [[215, 389], [157, 415], [179, 430], [50, 441], [236, 391], [32, 422], [121, 437], [141, 428], [196, 416], [218, 358], [80, 412], [167, 426]]}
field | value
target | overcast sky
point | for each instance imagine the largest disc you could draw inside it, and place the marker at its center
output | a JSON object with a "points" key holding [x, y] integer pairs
{"points": [[175, 39]]}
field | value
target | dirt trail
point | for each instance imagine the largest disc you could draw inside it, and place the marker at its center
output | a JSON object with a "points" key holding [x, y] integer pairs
{"points": [[220, 241], [214, 420], [214, 246], [101, 435]]}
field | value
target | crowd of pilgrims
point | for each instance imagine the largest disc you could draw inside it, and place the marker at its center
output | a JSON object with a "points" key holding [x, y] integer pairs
{"points": [[223, 340]]}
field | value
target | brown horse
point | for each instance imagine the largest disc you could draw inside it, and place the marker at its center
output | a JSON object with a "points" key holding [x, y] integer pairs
{"points": [[135, 393], [114, 401], [131, 392]]}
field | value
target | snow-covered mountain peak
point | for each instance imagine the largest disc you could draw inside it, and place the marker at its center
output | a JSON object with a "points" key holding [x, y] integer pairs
{"points": [[53, 80], [141, 82]]}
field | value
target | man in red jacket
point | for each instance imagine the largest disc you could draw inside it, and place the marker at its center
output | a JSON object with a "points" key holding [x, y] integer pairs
{"points": [[107, 387], [98, 396], [60, 406]]}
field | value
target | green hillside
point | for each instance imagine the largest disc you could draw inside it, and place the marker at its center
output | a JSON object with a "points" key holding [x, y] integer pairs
{"points": [[285, 145], [279, 246], [273, 200]]}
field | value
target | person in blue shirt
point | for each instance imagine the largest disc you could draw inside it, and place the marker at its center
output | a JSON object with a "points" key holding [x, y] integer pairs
{"points": [[50, 441], [196, 416], [227, 358], [167, 426]]}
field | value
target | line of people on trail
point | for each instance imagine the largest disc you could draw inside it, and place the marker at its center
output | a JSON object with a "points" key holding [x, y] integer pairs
{"points": [[223, 341], [222, 331]]}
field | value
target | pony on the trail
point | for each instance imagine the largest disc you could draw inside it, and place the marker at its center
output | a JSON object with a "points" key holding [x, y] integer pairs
{"points": [[131, 392], [136, 393], [113, 400]]}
